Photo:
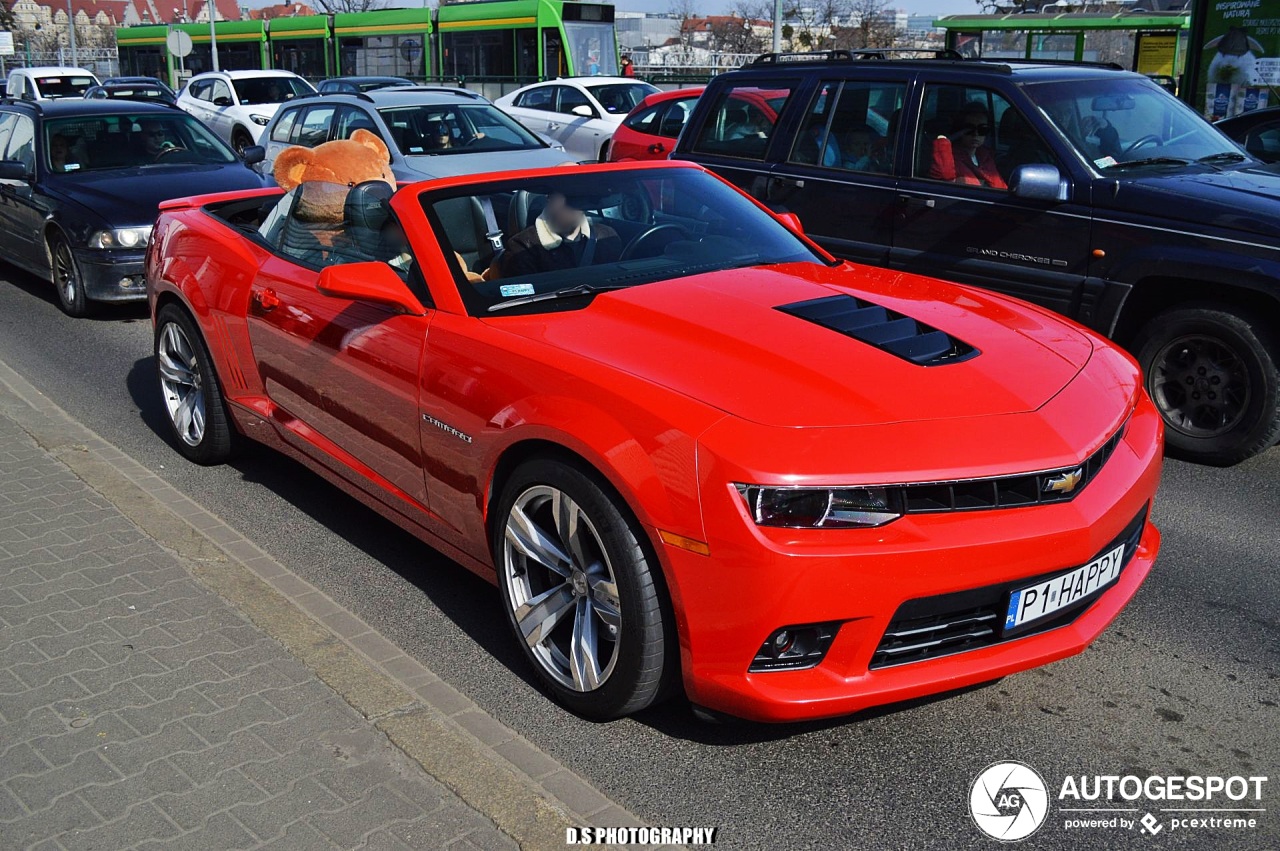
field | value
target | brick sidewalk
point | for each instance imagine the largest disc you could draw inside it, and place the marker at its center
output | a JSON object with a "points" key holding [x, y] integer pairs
{"points": [[140, 710]]}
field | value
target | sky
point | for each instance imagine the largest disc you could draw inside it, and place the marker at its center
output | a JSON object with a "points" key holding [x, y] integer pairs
{"points": [[938, 8]]}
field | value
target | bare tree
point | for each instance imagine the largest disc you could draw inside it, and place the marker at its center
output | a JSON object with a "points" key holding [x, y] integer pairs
{"points": [[683, 11], [339, 6], [736, 33], [871, 25]]}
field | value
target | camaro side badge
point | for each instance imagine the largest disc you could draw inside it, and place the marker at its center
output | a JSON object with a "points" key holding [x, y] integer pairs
{"points": [[1065, 483], [445, 427]]}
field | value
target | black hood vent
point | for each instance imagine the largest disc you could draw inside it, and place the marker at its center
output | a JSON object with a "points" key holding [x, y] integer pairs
{"points": [[885, 329]]}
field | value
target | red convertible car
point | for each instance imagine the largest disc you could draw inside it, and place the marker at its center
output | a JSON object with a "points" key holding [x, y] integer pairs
{"points": [[688, 446]]}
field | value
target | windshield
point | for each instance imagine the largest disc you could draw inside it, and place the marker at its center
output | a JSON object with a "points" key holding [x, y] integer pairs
{"points": [[593, 47], [427, 130], [70, 86], [599, 231], [100, 142], [254, 90], [621, 98], [1121, 123]]}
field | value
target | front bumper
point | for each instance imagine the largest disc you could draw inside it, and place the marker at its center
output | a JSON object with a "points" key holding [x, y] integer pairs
{"points": [[103, 273], [758, 580]]}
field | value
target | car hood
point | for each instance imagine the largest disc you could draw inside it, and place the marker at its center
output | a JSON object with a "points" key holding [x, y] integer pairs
{"points": [[719, 338], [131, 196], [422, 167], [1243, 199]]}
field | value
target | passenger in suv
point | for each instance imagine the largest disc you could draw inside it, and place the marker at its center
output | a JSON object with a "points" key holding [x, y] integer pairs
{"points": [[1104, 198]]}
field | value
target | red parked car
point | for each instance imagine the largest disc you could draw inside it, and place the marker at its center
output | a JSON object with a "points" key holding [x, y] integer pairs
{"points": [[650, 131], [687, 445]]}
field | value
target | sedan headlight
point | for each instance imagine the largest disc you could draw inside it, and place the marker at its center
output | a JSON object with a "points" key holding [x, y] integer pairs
{"points": [[820, 508], [260, 120], [121, 238]]}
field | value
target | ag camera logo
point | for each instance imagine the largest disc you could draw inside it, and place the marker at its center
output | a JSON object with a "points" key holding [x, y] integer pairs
{"points": [[1008, 801]]}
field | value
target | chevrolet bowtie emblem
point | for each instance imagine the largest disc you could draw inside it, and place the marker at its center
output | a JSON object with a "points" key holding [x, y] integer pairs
{"points": [[1064, 482]]}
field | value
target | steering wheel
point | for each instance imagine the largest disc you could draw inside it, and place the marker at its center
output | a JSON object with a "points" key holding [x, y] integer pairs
{"points": [[1150, 137], [164, 152], [647, 236]]}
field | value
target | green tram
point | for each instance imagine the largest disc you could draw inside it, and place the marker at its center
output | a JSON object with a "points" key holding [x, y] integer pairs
{"points": [[475, 40]]}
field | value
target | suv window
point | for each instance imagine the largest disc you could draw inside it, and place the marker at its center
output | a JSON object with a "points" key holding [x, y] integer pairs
{"points": [[350, 119], [852, 125], [219, 89], [974, 136], [540, 98], [199, 89], [742, 118], [313, 129], [284, 127]]}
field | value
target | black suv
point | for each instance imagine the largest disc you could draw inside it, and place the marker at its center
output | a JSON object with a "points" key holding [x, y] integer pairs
{"points": [[1086, 189]]}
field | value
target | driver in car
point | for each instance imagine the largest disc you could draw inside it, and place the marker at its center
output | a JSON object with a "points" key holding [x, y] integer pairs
{"points": [[562, 237], [155, 140]]}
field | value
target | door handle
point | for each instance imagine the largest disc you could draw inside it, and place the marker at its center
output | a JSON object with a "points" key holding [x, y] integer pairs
{"points": [[266, 300], [551, 125], [907, 199], [657, 148], [793, 182]]}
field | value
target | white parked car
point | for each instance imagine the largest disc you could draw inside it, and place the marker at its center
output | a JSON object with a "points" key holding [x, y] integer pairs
{"points": [[46, 82], [238, 105], [580, 112]]}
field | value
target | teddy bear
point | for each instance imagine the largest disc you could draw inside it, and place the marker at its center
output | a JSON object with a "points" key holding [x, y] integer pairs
{"points": [[329, 171]]}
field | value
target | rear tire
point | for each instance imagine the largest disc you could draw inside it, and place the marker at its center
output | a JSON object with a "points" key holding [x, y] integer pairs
{"points": [[579, 589], [192, 395], [1212, 371], [240, 140]]}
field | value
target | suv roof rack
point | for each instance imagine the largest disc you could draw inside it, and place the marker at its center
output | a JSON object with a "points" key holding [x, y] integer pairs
{"points": [[453, 90], [360, 95], [881, 53]]}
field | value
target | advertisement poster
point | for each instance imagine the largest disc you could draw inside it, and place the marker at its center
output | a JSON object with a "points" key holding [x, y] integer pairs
{"points": [[1241, 61]]}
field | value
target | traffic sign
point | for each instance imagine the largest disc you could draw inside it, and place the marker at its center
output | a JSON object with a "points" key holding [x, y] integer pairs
{"points": [[179, 43]]}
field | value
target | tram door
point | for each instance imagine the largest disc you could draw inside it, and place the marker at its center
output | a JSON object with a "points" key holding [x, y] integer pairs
{"points": [[553, 61]]}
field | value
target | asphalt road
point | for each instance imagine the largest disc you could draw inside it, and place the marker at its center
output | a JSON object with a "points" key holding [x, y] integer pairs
{"points": [[1184, 683]]}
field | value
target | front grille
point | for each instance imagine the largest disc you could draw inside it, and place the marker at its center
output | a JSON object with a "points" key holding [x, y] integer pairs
{"points": [[882, 328], [929, 627], [1006, 491]]}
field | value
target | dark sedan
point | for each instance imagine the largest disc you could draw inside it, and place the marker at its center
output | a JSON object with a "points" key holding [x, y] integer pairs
{"points": [[151, 92], [356, 85], [82, 181], [1258, 132]]}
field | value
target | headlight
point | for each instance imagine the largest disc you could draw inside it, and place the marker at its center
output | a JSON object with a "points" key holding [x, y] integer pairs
{"points": [[260, 120], [820, 508], [121, 238]]}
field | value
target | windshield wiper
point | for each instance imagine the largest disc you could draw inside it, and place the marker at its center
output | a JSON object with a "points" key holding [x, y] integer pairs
{"points": [[1224, 157], [568, 292], [1150, 161]]}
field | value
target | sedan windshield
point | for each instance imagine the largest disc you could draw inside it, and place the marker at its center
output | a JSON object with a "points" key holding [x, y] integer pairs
{"points": [[1128, 123], [574, 235], [428, 130], [621, 98], [99, 142]]}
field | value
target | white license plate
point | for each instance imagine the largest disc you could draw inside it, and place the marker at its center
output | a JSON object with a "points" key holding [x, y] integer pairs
{"points": [[1044, 598]]}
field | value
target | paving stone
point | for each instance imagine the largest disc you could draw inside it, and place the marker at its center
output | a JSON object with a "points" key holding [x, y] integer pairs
{"points": [[112, 800], [143, 822], [191, 809], [38, 791]]}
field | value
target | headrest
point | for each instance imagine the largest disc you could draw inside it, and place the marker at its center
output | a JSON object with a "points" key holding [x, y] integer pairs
{"points": [[367, 205]]}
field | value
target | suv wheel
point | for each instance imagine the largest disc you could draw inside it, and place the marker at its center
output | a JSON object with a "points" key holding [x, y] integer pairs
{"points": [[1212, 372], [578, 588], [240, 140]]}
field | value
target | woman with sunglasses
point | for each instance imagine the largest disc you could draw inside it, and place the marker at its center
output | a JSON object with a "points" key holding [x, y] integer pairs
{"points": [[963, 156]]}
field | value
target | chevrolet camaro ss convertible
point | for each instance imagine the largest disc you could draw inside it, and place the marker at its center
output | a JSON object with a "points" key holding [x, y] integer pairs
{"points": [[689, 447]]}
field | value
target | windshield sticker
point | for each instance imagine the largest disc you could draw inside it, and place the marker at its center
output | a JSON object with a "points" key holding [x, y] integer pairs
{"points": [[416, 149], [1105, 162], [509, 290]]}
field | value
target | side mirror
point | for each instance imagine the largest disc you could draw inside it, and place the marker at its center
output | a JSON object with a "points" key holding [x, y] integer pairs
{"points": [[375, 282], [223, 101], [1038, 182], [254, 154], [792, 222], [13, 170], [583, 110]]}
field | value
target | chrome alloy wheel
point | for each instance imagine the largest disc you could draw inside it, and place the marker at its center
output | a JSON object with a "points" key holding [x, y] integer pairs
{"points": [[64, 272], [562, 588], [181, 383]]}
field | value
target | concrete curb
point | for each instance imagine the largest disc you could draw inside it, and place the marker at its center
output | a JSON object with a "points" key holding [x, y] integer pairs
{"points": [[528, 794]]}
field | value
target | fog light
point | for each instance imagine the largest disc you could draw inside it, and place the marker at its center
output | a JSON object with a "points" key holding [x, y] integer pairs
{"points": [[792, 648]]}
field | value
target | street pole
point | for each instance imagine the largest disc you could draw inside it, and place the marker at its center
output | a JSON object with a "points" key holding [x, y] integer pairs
{"points": [[777, 26], [71, 31], [213, 36]]}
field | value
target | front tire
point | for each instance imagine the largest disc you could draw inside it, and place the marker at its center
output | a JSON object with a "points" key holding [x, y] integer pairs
{"points": [[189, 387], [67, 279], [1212, 372], [240, 140], [578, 586]]}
